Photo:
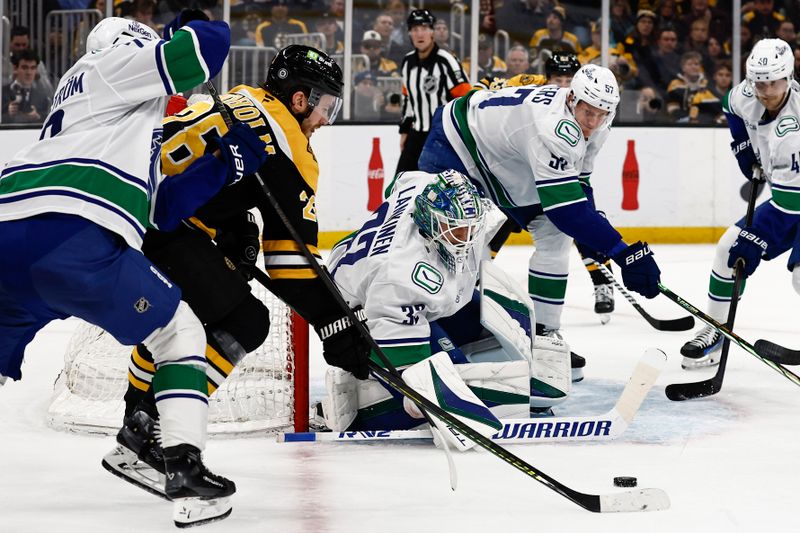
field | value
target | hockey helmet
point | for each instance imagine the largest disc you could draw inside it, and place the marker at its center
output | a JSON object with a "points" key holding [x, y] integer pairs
{"points": [[450, 213], [115, 30], [771, 59], [562, 63], [420, 17], [303, 68], [598, 87]]}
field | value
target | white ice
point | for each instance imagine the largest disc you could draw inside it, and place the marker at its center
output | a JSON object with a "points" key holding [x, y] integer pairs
{"points": [[728, 463]]}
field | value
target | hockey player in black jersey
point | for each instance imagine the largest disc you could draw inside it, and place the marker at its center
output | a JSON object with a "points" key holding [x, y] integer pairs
{"points": [[210, 254]]}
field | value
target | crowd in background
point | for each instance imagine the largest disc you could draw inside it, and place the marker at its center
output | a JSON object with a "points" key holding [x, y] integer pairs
{"points": [[672, 58]]}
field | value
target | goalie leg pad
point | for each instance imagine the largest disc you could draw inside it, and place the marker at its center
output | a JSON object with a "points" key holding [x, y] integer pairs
{"points": [[551, 373], [340, 406], [503, 386], [180, 383], [437, 380]]}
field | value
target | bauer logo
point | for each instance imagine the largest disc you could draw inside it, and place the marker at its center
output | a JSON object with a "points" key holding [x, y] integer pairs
{"points": [[554, 430]]}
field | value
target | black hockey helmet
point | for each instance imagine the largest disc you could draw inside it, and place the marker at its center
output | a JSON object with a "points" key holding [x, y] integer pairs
{"points": [[420, 17], [562, 63], [303, 68]]}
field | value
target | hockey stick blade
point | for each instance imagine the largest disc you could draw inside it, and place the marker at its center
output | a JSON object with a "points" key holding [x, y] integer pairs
{"points": [[777, 353], [603, 427], [674, 324]]}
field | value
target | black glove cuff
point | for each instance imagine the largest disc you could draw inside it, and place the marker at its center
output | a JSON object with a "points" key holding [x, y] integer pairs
{"points": [[332, 327]]}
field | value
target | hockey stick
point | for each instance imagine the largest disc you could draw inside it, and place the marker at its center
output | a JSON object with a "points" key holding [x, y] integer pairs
{"points": [[672, 324], [708, 387], [777, 353], [629, 501], [603, 427]]}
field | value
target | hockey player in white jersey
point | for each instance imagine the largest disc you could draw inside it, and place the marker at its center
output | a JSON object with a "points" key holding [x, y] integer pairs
{"points": [[413, 267], [76, 203], [527, 149], [763, 114]]}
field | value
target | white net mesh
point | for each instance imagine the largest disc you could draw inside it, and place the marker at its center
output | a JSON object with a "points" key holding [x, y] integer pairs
{"points": [[257, 397]]}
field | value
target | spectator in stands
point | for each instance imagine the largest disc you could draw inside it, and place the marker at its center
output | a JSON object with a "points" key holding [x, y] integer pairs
{"points": [[697, 39], [716, 51], [518, 61], [20, 40], [368, 99], [709, 107], [719, 23], [372, 47], [786, 32], [639, 44], [336, 8], [384, 25], [441, 35], [271, 32], [762, 19], [553, 35], [687, 85], [244, 23], [326, 25], [747, 41], [489, 65], [621, 63], [621, 20], [519, 17], [666, 13], [398, 11], [24, 100], [143, 12], [666, 58], [722, 79]]}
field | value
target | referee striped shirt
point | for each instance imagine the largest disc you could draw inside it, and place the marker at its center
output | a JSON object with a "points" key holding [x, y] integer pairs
{"points": [[427, 84]]}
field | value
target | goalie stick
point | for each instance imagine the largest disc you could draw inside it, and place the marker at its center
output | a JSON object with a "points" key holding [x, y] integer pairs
{"points": [[777, 353], [678, 392], [630, 501], [603, 427], [673, 324]]}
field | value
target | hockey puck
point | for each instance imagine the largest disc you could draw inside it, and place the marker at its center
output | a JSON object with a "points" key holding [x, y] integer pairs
{"points": [[625, 481]]}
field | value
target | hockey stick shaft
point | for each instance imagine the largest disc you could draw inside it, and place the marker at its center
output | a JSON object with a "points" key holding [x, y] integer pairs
{"points": [[629, 501], [746, 346], [675, 324]]}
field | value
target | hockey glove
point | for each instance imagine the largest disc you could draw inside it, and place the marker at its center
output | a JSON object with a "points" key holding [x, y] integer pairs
{"points": [[640, 273], [183, 18], [241, 150], [241, 243], [343, 346], [748, 247], [745, 156]]}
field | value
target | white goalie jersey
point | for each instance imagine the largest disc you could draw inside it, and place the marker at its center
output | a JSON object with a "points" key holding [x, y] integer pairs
{"points": [[388, 268], [523, 145]]}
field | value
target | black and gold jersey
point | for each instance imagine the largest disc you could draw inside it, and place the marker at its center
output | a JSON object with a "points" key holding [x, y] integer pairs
{"points": [[291, 172]]}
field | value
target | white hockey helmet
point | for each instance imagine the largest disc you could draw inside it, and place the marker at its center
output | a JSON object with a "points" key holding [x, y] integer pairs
{"points": [[597, 86], [114, 30], [771, 59]]}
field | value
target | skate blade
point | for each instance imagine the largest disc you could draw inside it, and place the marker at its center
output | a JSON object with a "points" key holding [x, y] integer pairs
{"points": [[707, 361], [605, 318], [192, 512], [124, 464]]}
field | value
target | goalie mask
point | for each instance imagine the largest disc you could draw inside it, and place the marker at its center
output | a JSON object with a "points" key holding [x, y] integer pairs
{"points": [[115, 30], [450, 214]]}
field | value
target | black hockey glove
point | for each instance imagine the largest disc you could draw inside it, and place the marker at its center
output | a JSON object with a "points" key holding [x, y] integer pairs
{"points": [[745, 156], [241, 243], [748, 247], [183, 18], [241, 150], [640, 273], [343, 345]]}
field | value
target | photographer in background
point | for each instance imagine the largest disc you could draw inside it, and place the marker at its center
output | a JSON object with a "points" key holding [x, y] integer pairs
{"points": [[25, 100]]}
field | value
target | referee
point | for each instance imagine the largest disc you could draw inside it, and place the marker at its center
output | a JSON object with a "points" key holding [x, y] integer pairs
{"points": [[431, 78]]}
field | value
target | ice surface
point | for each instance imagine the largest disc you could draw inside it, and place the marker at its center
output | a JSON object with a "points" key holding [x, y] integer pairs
{"points": [[728, 463]]}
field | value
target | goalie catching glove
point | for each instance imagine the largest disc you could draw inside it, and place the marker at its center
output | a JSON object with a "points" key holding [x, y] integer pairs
{"points": [[343, 345]]}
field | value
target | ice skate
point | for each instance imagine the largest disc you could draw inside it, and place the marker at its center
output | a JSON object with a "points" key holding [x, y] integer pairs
{"points": [[199, 496], [604, 302], [576, 361], [138, 457], [703, 350]]}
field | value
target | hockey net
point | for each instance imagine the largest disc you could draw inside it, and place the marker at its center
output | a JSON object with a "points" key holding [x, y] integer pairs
{"points": [[266, 392]]}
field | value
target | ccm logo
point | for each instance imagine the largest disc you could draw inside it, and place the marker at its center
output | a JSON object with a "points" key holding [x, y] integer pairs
{"points": [[638, 255]]}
